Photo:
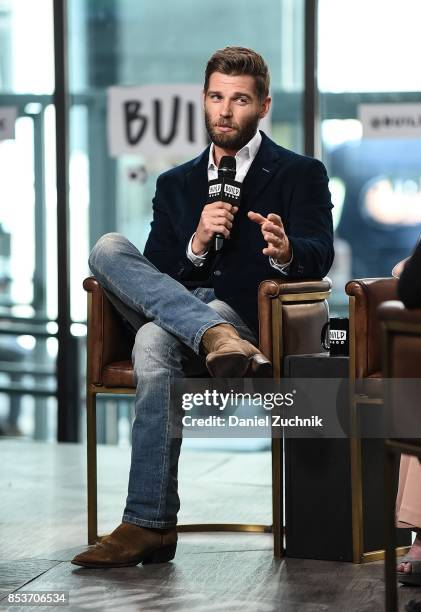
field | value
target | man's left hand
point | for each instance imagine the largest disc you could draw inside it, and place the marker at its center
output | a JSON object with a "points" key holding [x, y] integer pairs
{"points": [[272, 228]]}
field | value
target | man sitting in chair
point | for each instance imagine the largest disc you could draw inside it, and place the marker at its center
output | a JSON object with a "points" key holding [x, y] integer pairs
{"points": [[194, 307]]}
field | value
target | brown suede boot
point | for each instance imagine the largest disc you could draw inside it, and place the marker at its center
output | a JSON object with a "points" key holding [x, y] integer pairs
{"points": [[129, 545], [229, 356]]}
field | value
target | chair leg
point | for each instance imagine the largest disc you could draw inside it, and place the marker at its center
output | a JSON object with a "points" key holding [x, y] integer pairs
{"points": [[390, 549], [277, 497], [356, 481], [91, 464]]}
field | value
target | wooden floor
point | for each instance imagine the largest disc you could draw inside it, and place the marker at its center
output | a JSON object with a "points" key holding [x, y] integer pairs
{"points": [[43, 524]]}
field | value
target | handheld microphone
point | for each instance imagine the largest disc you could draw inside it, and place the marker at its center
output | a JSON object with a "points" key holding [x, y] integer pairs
{"points": [[225, 189]]}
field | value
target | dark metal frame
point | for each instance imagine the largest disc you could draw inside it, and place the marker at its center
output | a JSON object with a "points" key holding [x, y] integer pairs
{"points": [[311, 119], [67, 370]]}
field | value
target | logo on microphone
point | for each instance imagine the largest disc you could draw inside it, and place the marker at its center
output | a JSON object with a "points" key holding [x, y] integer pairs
{"points": [[215, 189], [232, 191]]}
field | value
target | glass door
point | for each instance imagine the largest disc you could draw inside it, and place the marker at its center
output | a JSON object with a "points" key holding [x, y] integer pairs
{"points": [[126, 43], [367, 59], [28, 268]]}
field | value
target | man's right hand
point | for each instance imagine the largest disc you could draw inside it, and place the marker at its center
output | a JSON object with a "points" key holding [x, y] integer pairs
{"points": [[216, 218]]}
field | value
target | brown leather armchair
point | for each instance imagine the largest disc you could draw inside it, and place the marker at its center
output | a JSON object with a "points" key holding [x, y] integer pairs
{"points": [[402, 359], [291, 316], [365, 376], [366, 373], [365, 333]]}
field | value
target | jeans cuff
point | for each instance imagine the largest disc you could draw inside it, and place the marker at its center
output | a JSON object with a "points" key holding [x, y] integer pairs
{"points": [[198, 337], [127, 518]]}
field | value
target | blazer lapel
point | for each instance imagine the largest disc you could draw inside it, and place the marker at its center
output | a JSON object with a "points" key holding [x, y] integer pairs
{"points": [[260, 173], [197, 190], [262, 170]]}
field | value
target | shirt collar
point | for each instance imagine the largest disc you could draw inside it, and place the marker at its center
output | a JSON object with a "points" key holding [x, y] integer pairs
{"points": [[249, 151]]}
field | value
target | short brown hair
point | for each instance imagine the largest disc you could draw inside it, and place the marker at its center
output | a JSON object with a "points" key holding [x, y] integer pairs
{"points": [[237, 61]]}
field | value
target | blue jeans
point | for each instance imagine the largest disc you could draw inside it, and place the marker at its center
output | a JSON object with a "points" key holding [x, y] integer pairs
{"points": [[167, 346]]}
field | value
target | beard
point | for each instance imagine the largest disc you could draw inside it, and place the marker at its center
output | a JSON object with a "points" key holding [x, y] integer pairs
{"points": [[236, 141]]}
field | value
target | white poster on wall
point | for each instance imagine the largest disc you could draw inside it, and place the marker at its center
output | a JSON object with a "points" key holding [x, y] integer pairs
{"points": [[158, 121], [390, 120], [8, 116]]}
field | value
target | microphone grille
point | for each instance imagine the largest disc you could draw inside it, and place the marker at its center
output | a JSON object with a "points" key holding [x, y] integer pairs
{"points": [[228, 166]]}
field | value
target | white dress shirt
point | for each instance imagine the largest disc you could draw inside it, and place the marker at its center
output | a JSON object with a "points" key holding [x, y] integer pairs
{"points": [[244, 158]]}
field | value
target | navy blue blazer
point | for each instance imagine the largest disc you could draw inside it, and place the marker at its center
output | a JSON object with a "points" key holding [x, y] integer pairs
{"points": [[278, 181]]}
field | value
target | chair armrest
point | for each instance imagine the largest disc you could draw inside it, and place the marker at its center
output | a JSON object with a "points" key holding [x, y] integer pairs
{"points": [[291, 317], [395, 316], [108, 339], [402, 340], [366, 294]]}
